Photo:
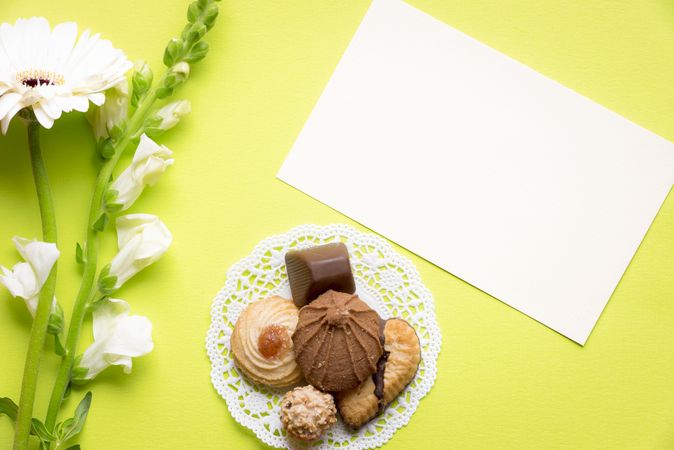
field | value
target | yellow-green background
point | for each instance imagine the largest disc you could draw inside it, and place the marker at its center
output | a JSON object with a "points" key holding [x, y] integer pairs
{"points": [[504, 381]]}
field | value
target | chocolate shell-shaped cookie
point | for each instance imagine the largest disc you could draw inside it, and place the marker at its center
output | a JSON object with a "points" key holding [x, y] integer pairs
{"points": [[337, 341]]}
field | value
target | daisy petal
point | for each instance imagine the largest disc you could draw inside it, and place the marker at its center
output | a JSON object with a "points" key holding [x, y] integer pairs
{"points": [[42, 117], [4, 124], [79, 103], [97, 98], [8, 101], [51, 108]]}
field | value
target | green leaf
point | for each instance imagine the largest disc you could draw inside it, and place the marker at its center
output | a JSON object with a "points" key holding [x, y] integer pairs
{"points": [[101, 223], [80, 255], [74, 447], [40, 430], [8, 407], [82, 410], [61, 429], [72, 427]]}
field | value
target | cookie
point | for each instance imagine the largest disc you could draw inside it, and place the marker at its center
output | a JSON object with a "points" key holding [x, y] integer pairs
{"points": [[402, 346], [306, 413], [337, 341], [262, 345], [359, 405], [395, 370]]}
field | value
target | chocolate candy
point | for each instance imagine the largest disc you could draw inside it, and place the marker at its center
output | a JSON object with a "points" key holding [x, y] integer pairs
{"points": [[315, 270]]}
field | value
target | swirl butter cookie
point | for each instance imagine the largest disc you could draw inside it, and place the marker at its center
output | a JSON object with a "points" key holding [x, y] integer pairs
{"points": [[395, 370], [262, 344]]}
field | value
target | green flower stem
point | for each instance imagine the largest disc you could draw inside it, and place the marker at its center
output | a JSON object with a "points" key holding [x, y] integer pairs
{"points": [[38, 331], [86, 290]]}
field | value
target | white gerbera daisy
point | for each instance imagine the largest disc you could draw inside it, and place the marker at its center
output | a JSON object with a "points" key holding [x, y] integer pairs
{"points": [[52, 71]]}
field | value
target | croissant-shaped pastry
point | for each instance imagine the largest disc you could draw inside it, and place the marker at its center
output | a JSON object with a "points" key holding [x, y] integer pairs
{"points": [[395, 370]]}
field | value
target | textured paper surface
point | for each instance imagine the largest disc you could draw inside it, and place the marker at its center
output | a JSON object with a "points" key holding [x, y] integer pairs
{"points": [[499, 175]]}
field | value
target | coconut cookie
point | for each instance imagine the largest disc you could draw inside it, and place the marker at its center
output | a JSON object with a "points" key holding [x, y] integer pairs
{"points": [[395, 370], [262, 345], [307, 413]]}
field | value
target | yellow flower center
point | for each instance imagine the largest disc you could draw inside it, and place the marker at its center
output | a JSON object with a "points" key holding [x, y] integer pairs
{"points": [[39, 77]]}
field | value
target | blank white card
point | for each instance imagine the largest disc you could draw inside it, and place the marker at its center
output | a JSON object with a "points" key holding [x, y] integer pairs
{"points": [[486, 168]]}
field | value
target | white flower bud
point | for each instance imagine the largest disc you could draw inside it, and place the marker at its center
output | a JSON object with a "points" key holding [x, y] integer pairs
{"points": [[181, 68], [142, 239], [141, 81], [167, 117], [149, 162], [118, 338], [26, 279], [177, 75]]}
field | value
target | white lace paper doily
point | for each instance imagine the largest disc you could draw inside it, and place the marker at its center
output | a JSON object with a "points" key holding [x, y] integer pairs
{"points": [[387, 281]]}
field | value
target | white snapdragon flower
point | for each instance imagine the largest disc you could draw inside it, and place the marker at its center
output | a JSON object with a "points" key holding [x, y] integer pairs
{"points": [[25, 279], [149, 162], [167, 117], [104, 118], [118, 337], [142, 239], [170, 114]]}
